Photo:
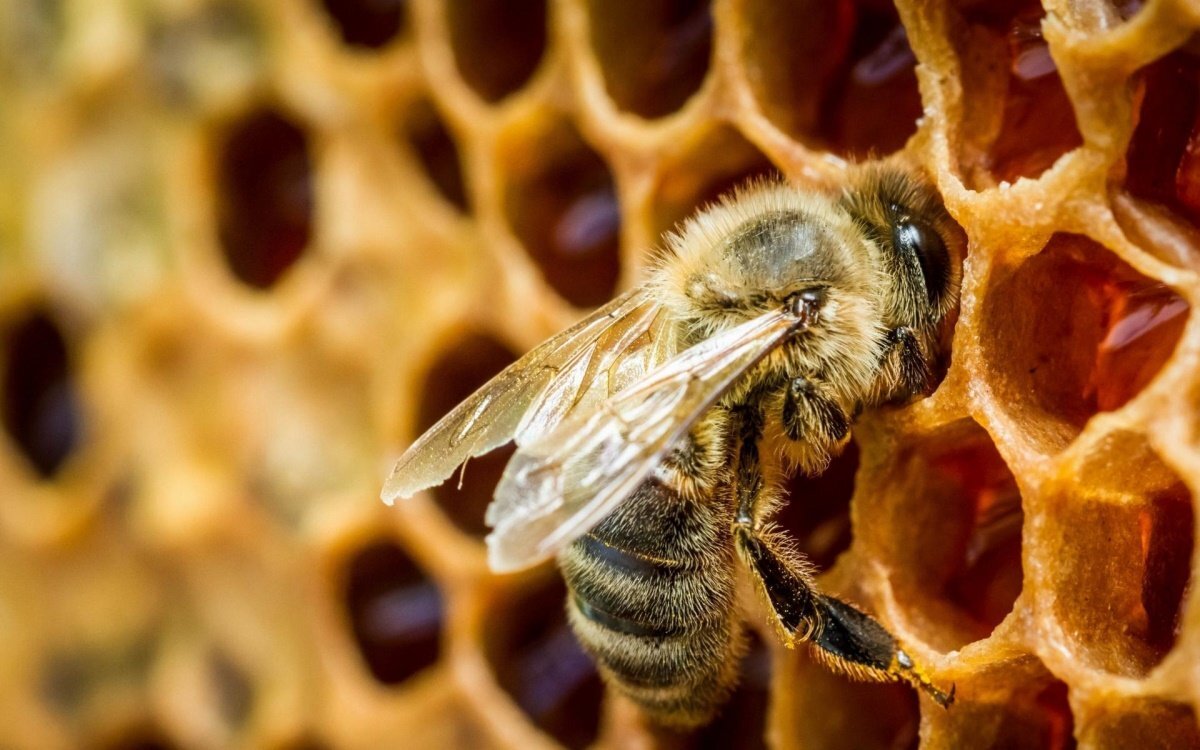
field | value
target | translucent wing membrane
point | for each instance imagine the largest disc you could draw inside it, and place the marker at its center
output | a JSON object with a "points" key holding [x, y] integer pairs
{"points": [[580, 366], [561, 485]]}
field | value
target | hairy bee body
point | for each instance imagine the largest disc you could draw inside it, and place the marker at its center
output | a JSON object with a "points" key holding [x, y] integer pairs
{"points": [[652, 599], [653, 435], [652, 588]]}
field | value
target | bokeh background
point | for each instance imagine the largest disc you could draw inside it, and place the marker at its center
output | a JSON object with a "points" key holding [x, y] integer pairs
{"points": [[250, 248]]}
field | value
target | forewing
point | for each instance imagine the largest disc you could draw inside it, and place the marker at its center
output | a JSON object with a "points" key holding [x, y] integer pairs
{"points": [[562, 485], [533, 394], [621, 354]]}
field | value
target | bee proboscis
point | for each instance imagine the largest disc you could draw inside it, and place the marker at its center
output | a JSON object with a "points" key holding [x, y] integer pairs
{"points": [[652, 436]]}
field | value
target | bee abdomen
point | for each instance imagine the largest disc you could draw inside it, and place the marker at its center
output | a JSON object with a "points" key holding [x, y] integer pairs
{"points": [[652, 599]]}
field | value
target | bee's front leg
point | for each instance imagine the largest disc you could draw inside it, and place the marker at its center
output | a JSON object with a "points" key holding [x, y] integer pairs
{"points": [[844, 638], [808, 414], [914, 371]]}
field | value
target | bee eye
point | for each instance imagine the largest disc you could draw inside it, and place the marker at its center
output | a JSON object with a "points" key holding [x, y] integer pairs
{"points": [[920, 240]]}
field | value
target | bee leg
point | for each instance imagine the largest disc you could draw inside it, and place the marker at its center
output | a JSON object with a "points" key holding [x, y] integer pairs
{"points": [[914, 369], [853, 642], [843, 637], [807, 410]]}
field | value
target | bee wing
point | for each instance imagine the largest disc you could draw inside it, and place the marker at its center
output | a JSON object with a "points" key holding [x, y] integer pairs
{"points": [[560, 486], [577, 367]]}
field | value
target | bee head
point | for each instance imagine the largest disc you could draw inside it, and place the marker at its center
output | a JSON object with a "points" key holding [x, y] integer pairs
{"points": [[920, 246]]}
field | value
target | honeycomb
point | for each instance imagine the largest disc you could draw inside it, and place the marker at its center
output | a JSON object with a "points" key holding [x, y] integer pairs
{"points": [[249, 250]]}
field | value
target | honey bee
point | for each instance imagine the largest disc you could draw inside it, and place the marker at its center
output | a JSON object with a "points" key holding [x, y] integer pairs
{"points": [[654, 435]]}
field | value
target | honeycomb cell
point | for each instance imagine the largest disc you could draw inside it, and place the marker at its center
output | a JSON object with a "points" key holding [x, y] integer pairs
{"points": [[71, 679], [41, 409], [1147, 723], [790, 66], [817, 511], [394, 611], [562, 205], [425, 133], [233, 689], [369, 24], [822, 710], [721, 161], [1119, 588], [654, 53], [989, 577], [1162, 162], [1074, 331], [873, 105], [264, 197], [1127, 9], [1002, 711], [306, 743], [541, 666], [845, 76], [1035, 124], [140, 738], [459, 372], [498, 44], [955, 489]]}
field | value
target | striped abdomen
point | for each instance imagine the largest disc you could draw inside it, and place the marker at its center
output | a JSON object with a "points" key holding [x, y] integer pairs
{"points": [[652, 599]]}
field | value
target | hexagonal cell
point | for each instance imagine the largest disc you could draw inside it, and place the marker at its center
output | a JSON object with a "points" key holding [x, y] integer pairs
{"points": [[654, 53], [1162, 162], [1007, 708], [722, 160], [435, 148], [955, 489], [264, 196], [459, 372], [562, 204], [146, 737], [74, 678], [817, 511], [41, 412], [306, 743], [1127, 9], [541, 666], [498, 44], [233, 689], [1035, 124], [1074, 331], [845, 76], [394, 612], [829, 711], [1119, 571], [1145, 723], [368, 24]]}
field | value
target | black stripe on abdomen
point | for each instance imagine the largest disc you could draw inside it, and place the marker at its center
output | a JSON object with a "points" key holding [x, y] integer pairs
{"points": [[652, 600]]}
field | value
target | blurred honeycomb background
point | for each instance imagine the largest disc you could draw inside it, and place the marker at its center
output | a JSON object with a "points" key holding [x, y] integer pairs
{"points": [[249, 249]]}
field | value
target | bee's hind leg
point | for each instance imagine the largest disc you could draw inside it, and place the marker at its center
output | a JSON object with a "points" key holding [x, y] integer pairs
{"points": [[843, 637]]}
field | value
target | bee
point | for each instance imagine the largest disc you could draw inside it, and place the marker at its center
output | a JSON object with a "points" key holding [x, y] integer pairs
{"points": [[654, 435]]}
